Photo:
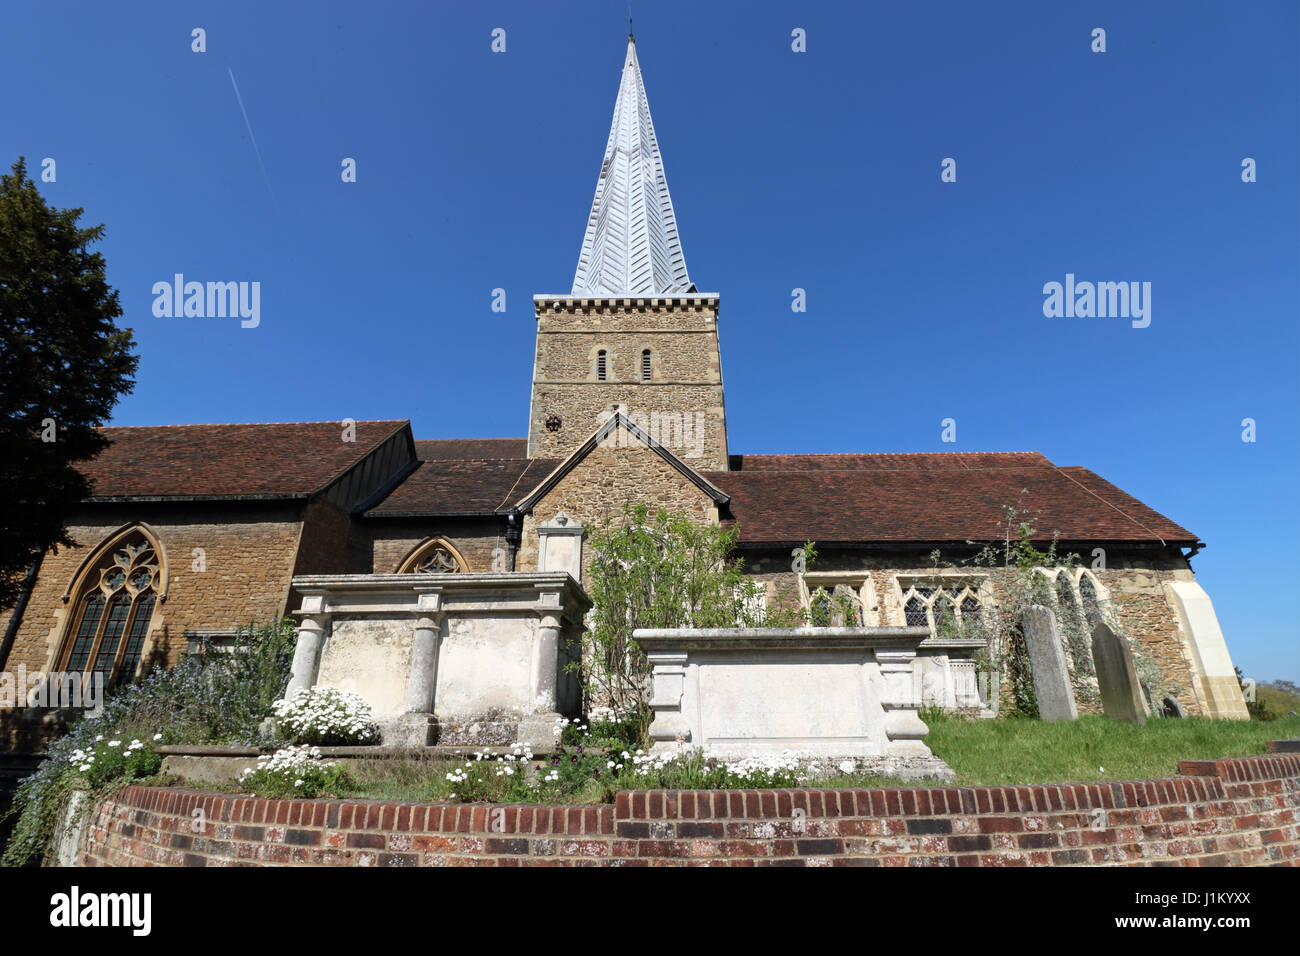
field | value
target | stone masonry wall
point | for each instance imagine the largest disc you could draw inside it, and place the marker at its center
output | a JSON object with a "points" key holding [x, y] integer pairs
{"points": [[393, 539], [1235, 812], [686, 382], [248, 557], [599, 486], [1135, 580]]}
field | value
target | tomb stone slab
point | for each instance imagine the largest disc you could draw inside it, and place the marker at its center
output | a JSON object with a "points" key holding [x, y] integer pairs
{"points": [[1047, 662], [1116, 676]]}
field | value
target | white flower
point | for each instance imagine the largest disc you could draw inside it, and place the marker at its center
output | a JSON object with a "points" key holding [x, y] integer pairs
{"points": [[157, 736], [846, 766], [115, 743]]}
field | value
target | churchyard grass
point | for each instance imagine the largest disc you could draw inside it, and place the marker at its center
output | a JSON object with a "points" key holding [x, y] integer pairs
{"points": [[981, 752], [1016, 751]]}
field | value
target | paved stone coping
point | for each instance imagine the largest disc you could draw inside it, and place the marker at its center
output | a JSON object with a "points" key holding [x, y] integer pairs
{"points": [[799, 638]]}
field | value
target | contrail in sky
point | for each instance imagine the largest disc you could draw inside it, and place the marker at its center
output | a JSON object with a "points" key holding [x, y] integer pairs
{"points": [[240, 100]]}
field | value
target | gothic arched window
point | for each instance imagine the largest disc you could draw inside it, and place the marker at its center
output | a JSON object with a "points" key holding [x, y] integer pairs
{"points": [[645, 365], [435, 556], [915, 611], [113, 612], [1066, 604], [1088, 595], [601, 357], [946, 605]]}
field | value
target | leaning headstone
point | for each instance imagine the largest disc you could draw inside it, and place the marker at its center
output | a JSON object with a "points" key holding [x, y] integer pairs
{"points": [[1116, 677], [1173, 708], [1047, 663]]}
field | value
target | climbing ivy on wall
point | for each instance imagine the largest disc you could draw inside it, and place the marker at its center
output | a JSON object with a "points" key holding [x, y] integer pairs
{"points": [[1016, 567]]}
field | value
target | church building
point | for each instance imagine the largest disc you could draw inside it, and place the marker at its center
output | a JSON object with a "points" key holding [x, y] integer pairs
{"points": [[195, 530]]}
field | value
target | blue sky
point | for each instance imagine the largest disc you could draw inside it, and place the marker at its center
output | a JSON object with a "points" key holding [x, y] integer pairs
{"points": [[817, 170]]}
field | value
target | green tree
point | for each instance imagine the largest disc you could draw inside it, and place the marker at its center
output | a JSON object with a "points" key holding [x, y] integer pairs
{"points": [[660, 570], [63, 366], [1256, 705]]}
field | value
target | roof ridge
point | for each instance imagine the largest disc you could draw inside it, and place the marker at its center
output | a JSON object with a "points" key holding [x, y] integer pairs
{"points": [[850, 471], [327, 421], [845, 454]]}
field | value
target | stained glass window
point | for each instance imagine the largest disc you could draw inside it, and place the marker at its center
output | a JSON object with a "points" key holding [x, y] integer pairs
{"points": [[110, 632]]}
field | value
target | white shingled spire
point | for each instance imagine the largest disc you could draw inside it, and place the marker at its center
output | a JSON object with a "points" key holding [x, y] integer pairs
{"points": [[631, 245]]}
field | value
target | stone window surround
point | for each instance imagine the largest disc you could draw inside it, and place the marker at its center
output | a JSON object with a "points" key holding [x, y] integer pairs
{"points": [[860, 581], [413, 557], [596, 351], [976, 585], [901, 584], [981, 586], [86, 576], [1075, 575], [648, 370]]}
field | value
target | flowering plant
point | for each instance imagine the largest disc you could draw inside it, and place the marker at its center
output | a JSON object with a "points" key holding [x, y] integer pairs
{"points": [[327, 715], [293, 772], [496, 778], [106, 760], [691, 770]]}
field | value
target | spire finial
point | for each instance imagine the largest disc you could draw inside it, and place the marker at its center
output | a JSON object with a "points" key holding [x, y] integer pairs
{"points": [[630, 37]]}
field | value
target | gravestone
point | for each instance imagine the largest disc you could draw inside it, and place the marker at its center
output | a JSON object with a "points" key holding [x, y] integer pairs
{"points": [[1116, 676], [1047, 664], [1173, 708]]}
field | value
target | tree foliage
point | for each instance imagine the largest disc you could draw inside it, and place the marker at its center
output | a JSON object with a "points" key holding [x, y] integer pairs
{"points": [[63, 366], [660, 570]]}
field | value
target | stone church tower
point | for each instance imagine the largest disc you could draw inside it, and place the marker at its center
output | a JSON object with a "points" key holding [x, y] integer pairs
{"points": [[633, 333]]}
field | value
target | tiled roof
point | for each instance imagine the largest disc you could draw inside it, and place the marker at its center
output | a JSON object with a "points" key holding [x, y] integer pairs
{"points": [[888, 461], [220, 461], [860, 498], [930, 498], [462, 448], [463, 486]]}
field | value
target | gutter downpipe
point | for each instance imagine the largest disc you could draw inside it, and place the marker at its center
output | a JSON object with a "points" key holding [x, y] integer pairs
{"points": [[513, 534]]}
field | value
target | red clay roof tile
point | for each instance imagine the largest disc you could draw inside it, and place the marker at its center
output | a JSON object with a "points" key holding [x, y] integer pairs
{"points": [[463, 487], [251, 460], [930, 498]]}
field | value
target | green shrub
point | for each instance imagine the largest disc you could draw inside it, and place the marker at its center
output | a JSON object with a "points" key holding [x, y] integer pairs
{"points": [[212, 697]]}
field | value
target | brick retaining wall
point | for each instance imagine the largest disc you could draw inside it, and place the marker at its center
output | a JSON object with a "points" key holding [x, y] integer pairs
{"points": [[1240, 811]]}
